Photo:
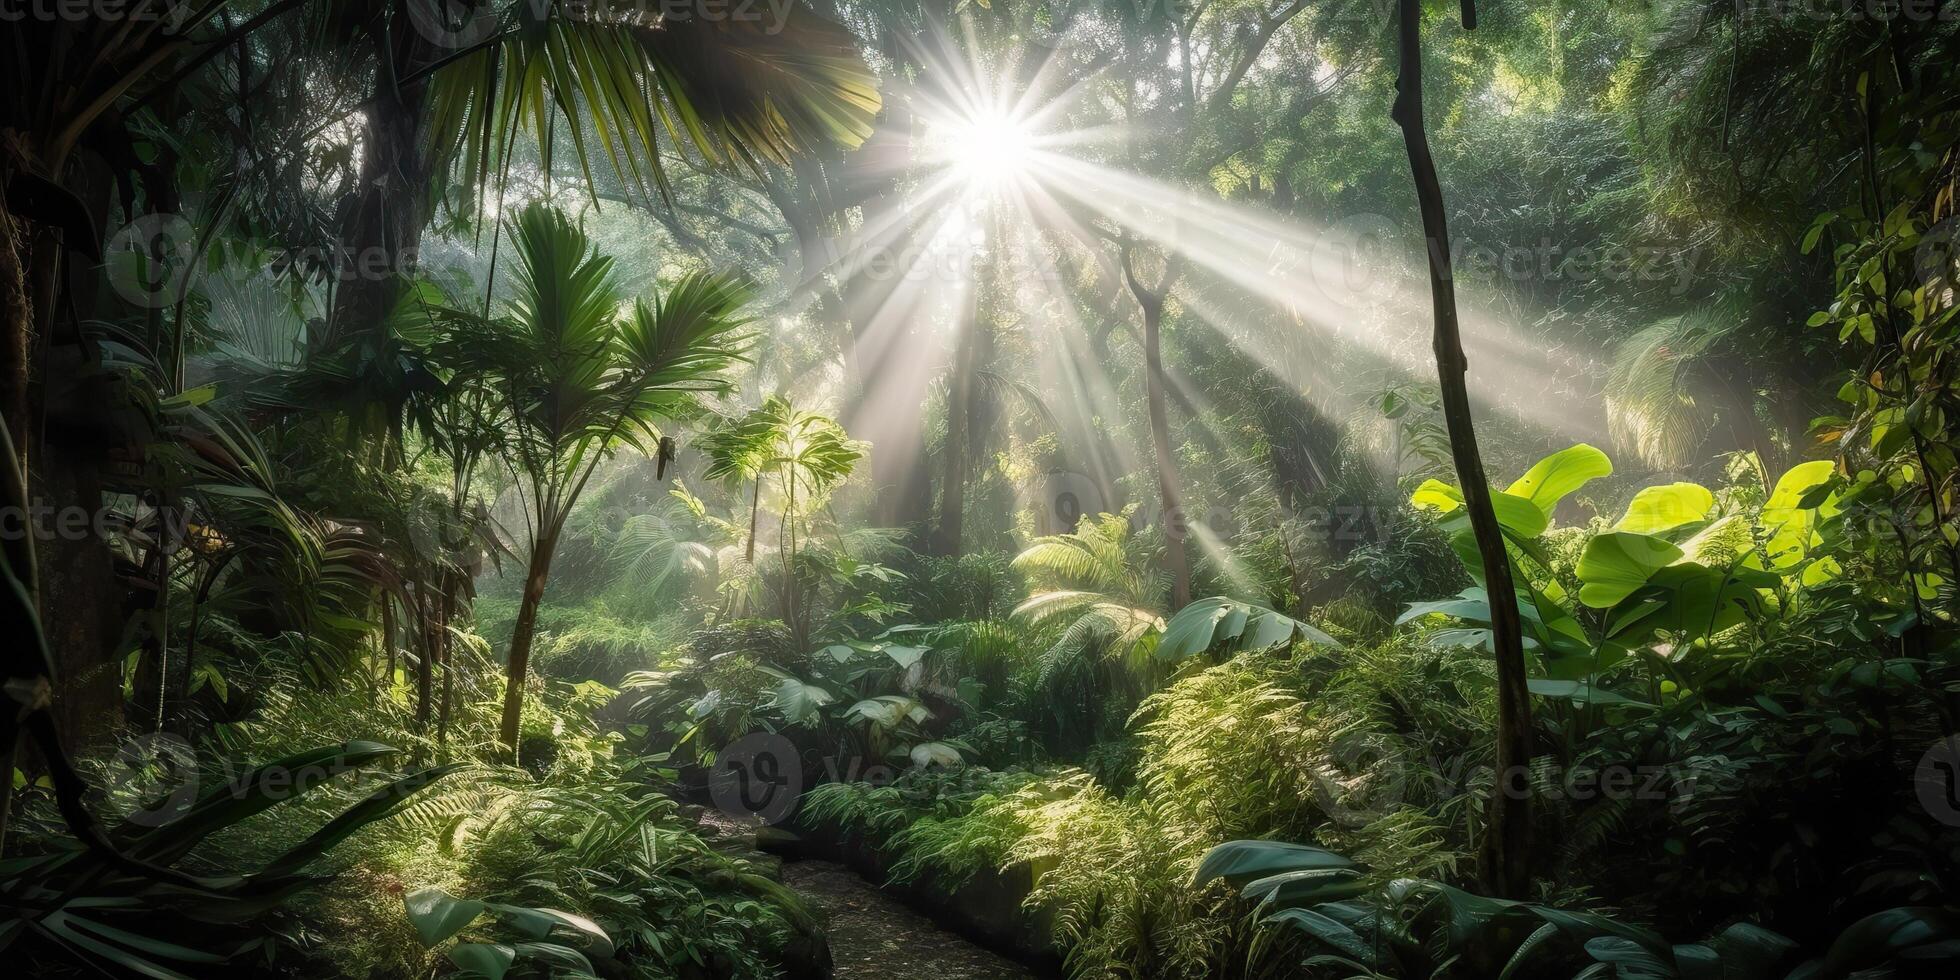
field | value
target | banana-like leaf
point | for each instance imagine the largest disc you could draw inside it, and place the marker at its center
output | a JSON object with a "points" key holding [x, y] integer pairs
{"points": [[927, 754], [438, 915], [1233, 624], [489, 960], [1666, 507], [1553, 478], [1616, 564], [1243, 861]]}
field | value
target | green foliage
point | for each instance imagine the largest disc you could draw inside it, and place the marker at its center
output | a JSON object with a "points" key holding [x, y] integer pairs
{"points": [[1416, 928], [1231, 625], [119, 917]]}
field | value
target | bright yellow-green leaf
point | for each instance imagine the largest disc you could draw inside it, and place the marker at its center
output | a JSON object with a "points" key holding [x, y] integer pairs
{"points": [[1555, 476], [1437, 495], [1789, 526], [1664, 508], [1617, 563]]}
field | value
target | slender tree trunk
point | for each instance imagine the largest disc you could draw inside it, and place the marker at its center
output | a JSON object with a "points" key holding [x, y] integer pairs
{"points": [[1151, 303], [448, 662], [388, 643], [16, 319], [521, 634], [959, 411], [755, 505], [1160, 444], [792, 600], [425, 665], [1507, 842]]}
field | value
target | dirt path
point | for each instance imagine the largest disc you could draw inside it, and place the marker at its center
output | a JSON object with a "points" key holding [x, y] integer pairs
{"points": [[873, 936]]}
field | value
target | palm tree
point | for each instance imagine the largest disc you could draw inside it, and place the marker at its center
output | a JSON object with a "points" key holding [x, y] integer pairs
{"points": [[1098, 580], [810, 453], [454, 97], [576, 378], [731, 93]]}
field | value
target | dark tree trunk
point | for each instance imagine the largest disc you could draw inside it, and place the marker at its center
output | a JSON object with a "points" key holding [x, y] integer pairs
{"points": [[447, 647], [16, 319], [1160, 444], [381, 228], [959, 418], [521, 634], [425, 663], [1506, 854], [1151, 303], [80, 582], [755, 507]]}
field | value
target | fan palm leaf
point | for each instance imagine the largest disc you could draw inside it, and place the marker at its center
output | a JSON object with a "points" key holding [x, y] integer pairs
{"points": [[731, 91]]}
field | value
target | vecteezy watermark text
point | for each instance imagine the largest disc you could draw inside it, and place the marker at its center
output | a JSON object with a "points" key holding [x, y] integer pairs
{"points": [[170, 13]]}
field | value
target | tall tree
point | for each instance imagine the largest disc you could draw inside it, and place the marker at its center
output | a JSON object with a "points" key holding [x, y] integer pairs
{"points": [[1150, 301], [1507, 843], [577, 379]]}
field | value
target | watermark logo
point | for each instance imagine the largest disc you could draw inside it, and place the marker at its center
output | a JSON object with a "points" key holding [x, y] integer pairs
{"points": [[172, 14], [1062, 498], [1936, 780], [150, 260], [1937, 259], [1362, 780], [453, 23], [757, 777], [159, 771]]}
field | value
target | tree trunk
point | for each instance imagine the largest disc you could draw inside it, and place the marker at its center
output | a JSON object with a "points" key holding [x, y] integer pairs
{"points": [[959, 411], [1151, 303], [387, 643], [520, 638], [755, 505], [1172, 518], [16, 320], [1506, 854], [448, 663], [382, 231], [425, 664]]}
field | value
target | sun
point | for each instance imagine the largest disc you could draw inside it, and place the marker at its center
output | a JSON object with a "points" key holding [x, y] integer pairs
{"points": [[988, 148]]}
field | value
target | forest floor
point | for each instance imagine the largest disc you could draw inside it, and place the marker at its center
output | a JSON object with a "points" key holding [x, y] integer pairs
{"points": [[872, 934]]}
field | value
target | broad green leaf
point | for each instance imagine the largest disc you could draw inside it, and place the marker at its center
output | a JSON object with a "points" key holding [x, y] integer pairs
{"points": [[1190, 632], [1306, 886], [1437, 495], [800, 703], [1557, 475], [438, 915], [491, 960], [1789, 526], [1666, 507], [1616, 564], [1519, 516], [1242, 861], [1471, 605], [1327, 930], [540, 924], [905, 656], [1232, 625], [927, 754]]}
